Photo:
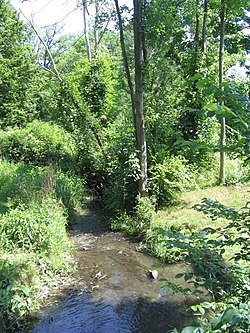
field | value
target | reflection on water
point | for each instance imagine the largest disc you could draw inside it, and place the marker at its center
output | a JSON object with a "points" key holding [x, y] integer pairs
{"points": [[113, 293]]}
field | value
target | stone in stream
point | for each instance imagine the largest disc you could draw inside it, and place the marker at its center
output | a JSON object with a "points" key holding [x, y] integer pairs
{"points": [[153, 274], [99, 276]]}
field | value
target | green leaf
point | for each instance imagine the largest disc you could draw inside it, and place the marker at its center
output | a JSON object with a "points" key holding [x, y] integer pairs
{"points": [[210, 113], [228, 315], [202, 83], [25, 289], [237, 319], [211, 107], [216, 322], [179, 275], [195, 77], [17, 298], [201, 310]]}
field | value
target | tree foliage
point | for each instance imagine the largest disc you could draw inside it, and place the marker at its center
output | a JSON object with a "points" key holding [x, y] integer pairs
{"points": [[18, 71]]}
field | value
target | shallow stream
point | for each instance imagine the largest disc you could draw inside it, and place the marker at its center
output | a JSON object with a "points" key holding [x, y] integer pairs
{"points": [[113, 292]]}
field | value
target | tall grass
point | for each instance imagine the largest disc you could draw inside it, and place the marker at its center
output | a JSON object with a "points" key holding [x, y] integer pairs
{"points": [[35, 204], [22, 183]]}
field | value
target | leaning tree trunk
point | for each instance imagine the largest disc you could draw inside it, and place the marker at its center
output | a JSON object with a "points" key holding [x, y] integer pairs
{"points": [[221, 77], [139, 109]]}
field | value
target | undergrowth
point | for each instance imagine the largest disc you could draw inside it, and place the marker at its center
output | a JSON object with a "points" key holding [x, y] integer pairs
{"points": [[216, 247], [34, 247]]}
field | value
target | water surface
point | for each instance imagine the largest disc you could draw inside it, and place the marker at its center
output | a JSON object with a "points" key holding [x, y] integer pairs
{"points": [[113, 292]]}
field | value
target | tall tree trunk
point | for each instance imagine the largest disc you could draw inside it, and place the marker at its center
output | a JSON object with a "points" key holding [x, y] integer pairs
{"points": [[143, 38], [96, 35], [125, 62], [140, 122], [221, 78], [204, 28], [85, 25], [197, 29]]}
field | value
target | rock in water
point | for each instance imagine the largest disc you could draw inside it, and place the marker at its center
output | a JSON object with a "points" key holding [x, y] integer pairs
{"points": [[153, 274]]}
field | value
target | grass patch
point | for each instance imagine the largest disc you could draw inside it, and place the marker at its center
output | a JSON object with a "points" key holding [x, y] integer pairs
{"points": [[216, 245], [183, 218]]}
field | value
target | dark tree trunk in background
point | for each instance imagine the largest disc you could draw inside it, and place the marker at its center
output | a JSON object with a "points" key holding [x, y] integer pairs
{"points": [[204, 28], [197, 28], [221, 78], [96, 34], [140, 122]]}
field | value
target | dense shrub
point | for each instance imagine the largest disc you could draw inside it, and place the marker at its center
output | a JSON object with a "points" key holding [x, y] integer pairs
{"points": [[39, 143], [170, 178], [121, 187], [34, 247], [16, 272], [138, 222]]}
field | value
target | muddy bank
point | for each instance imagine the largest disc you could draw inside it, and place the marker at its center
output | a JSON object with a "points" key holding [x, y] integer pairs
{"points": [[112, 291]]}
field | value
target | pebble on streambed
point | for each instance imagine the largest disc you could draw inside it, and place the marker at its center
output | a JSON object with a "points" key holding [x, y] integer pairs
{"points": [[153, 274]]}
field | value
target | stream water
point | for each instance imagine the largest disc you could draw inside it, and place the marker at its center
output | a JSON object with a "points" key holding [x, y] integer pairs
{"points": [[113, 292]]}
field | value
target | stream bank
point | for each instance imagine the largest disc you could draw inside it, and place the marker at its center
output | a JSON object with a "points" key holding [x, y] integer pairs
{"points": [[112, 291]]}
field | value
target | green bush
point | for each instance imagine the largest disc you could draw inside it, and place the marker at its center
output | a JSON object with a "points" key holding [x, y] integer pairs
{"points": [[121, 188], [158, 244], [237, 171], [124, 222], [19, 183], [39, 143], [15, 294], [138, 222], [34, 247], [168, 179]]}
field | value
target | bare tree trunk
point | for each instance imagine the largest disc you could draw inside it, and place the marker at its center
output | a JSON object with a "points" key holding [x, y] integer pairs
{"points": [[204, 28], [197, 29], [125, 61], [140, 122], [85, 25], [221, 78], [96, 35], [143, 38]]}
